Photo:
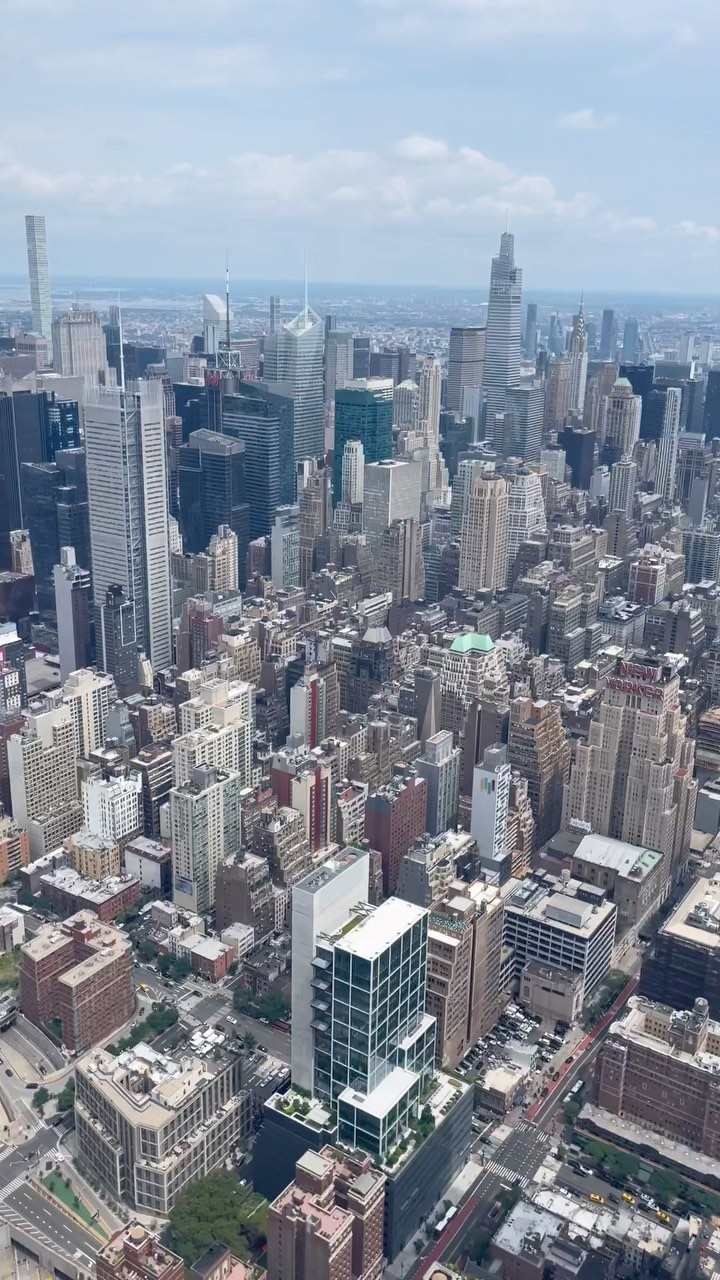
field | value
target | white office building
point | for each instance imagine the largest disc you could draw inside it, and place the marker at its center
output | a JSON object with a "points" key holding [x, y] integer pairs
{"points": [[204, 827], [113, 806], [623, 478], [554, 924], [321, 902], [79, 348], [127, 490], [391, 492], [40, 296], [441, 766], [668, 452], [353, 473], [489, 814], [285, 548], [526, 510], [89, 695], [484, 534]]}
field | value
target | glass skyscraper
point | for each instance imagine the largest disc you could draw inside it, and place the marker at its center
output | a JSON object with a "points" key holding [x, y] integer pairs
{"points": [[364, 412], [295, 354], [501, 368], [40, 299]]}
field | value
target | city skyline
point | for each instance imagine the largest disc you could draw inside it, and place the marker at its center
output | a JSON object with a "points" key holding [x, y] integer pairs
{"points": [[403, 146]]}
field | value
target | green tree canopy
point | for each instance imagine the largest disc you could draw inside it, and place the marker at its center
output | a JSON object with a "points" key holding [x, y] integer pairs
{"points": [[216, 1208]]}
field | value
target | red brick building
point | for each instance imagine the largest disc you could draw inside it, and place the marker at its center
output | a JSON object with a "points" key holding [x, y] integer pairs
{"points": [[69, 891], [394, 819], [77, 974], [14, 848], [134, 1254]]}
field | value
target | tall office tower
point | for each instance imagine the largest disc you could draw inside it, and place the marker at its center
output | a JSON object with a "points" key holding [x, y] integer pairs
{"points": [[428, 408], [608, 335], [41, 483], [116, 640], [321, 903], [11, 516], [285, 548], [44, 424], [338, 362], [275, 313], [43, 783], [395, 817], [112, 807], [523, 423], [630, 341], [328, 1223], [579, 446], [623, 478], [711, 408], [214, 323], [12, 658], [309, 709], [204, 828], [294, 354], [406, 397], [466, 354], [262, 415], [501, 367], [668, 452], [89, 695], [538, 747], [353, 473], [73, 590], [391, 492], [552, 461], [489, 814], [621, 421], [211, 489], [40, 296], [315, 504], [125, 446], [387, 1056], [399, 567], [530, 339], [213, 570], [440, 766], [633, 778], [79, 347], [558, 392], [578, 363], [364, 412], [153, 765], [526, 510], [484, 535]]}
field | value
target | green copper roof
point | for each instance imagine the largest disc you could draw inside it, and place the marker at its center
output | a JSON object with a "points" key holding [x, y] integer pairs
{"points": [[472, 640], [624, 382]]}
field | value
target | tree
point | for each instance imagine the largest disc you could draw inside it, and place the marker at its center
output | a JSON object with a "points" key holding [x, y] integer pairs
{"points": [[181, 969], [216, 1208], [146, 950], [274, 1006], [165, 964], [66, 1098], [249, 1041], [40, 1097], [242, 999]]}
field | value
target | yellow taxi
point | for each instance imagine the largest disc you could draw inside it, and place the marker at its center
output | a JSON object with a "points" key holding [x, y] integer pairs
{"points": [[596, 1199], [628, 1198], [662, 1215]]}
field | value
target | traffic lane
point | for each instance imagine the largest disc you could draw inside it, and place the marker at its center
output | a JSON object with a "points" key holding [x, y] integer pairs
{"points": [[276, 1042], [65, 1234], [48, 1052]]}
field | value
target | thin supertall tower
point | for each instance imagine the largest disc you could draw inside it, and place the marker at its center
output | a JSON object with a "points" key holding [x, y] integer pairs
{"points": [[40, 299], [501, 368]]}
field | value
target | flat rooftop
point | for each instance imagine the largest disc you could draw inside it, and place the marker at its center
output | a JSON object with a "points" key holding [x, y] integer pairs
{"points": [[374, 933], [324, 875], [626, 860], [696, 919]]}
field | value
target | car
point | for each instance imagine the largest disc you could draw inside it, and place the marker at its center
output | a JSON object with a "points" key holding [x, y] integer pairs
{"points": [[570, 1059], [265, 1021], [662, 1215], [32, 1085], [8, 1072], [232, 1020], [42, 1070], [613, 1198], [628, 1198], [263, 1048], [596, 1199]]}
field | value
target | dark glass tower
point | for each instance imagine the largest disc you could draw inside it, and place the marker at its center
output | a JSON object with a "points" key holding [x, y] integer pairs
{"points": [[211, 487], [363, 413], [261, 414]]}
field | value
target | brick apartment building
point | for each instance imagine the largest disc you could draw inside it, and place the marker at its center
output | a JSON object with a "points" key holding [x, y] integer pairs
{"points": [[14, 848], [134, 1254], [328, 1223], [660, 1068], [394, 819], [77, 974], [69, 891]]}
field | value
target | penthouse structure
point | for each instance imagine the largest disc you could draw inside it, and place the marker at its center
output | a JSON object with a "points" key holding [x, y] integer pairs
{"points": [[564, 923], [148, 1124], [76, 979], [328, 1223], [660, 1068], [70, 891], [133, 1253]]}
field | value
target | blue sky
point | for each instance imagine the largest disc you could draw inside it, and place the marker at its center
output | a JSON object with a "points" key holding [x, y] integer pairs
{"points": [[389, 137]]}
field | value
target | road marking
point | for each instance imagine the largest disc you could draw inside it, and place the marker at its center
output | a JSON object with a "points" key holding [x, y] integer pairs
{"points": [[511, 1174]]}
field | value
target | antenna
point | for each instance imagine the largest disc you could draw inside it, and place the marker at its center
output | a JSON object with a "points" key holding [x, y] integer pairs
{"points": [[306, 282], [122, 353], [227, 300]]}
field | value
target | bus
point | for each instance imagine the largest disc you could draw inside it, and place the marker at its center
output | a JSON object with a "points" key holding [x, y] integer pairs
{"points": [[441, 1225]]}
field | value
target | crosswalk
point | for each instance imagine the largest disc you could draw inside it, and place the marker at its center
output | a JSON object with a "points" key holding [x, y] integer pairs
{"points": [[12, 1186], [511, 1176]]}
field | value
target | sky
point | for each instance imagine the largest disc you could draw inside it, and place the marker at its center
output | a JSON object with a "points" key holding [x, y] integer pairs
{"points": [[391, 140]]}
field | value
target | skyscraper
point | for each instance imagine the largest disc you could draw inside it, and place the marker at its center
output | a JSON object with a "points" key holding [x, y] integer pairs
{"points": [[466, 355], [72, 608], [79, 346], [261, 414], [40, 296], [125, 446], [608, 335], [484, 534], [204, 826], [538, 747], [623, 477], [116, 644], [668, 452], [621, 421], [531, 331], [363, 412], [294, 354], [211, 487], [428, 409], [578, 363], [353, 473], [630, 341], [501, 368], [338, 362], [526, 510]]}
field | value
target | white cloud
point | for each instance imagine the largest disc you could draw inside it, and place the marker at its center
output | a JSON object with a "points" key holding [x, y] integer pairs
{"points": [[696, 231], [586, 119]]}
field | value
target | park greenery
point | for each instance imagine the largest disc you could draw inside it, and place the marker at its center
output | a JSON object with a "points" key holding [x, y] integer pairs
{"points": [[217, 1208], [65, 1100], [272, 1005], [175, 967], [41, 1097], [609, 991], [669, 1188], [158, 1020]]}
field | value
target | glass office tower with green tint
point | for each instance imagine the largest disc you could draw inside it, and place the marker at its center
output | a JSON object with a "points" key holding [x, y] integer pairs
{"points": [[364, 412]]}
